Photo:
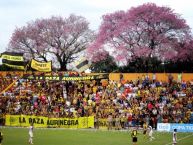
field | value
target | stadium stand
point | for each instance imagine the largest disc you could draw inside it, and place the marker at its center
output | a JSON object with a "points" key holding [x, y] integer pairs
{"points": [[120, 104]]}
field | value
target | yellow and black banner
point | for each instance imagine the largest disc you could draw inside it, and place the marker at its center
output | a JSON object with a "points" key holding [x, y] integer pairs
{"points": [[82, 64], [13, 60], [40, 121], [12, 56], [103, 123], [41, 66], [68, 78]]}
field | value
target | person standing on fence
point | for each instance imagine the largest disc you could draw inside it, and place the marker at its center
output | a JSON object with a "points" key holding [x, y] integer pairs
{"points": [[31, 128], [154, 77], [170, 79], [174, 137], [179, 78], [1, 137]]}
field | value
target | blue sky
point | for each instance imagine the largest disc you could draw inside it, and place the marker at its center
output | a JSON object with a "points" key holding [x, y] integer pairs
{"points": [[16, 13]]}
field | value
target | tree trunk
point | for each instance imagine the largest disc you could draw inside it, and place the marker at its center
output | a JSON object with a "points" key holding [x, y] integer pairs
{"points": [[63, 66], [147, 65]]}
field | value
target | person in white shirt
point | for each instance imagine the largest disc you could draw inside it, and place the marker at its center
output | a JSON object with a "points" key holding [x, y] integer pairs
{"points": [[31, 128], [150, 134], [174, 137]]}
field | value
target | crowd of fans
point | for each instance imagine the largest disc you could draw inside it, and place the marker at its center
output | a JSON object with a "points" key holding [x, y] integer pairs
{"points": [[122, 103], [5, 81]]}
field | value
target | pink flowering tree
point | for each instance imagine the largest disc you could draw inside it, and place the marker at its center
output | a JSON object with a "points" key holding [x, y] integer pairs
{"points": [[145, 31], [56, 38]]}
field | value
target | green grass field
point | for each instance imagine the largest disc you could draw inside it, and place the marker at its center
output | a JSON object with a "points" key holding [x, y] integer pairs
{"points": [[19, 136]]}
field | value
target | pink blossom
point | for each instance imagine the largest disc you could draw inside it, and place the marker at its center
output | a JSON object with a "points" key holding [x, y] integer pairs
{"points": [[147, 30]]}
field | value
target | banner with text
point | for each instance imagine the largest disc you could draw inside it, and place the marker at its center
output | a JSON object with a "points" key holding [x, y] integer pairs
{"points": [[41, 66], [13, 60], [82, 64], [67, 78], [169, 127], [40, 121]]}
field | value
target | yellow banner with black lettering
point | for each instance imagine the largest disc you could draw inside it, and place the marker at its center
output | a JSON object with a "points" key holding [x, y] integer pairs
{"points": [[40, 121], [13, 60], [86, 122], [103, 124], [12, 56], [25, 120], [41, 66]]}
